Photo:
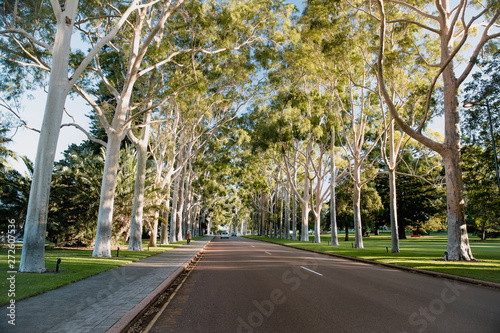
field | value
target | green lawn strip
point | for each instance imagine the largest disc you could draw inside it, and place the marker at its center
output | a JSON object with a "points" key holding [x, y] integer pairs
{"points": [[76, 264], [424, 253]]}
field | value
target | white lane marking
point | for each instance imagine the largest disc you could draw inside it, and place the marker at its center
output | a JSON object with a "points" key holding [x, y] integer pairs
{"points": [[252, 246], [310, 270], [268, 253]]}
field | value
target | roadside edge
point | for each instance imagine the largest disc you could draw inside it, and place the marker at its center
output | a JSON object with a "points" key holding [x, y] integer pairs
{"points": [[404, 268], [125, 322]]}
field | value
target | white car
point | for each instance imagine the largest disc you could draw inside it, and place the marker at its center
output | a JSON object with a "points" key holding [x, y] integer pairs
{"points": [[224, 235]]}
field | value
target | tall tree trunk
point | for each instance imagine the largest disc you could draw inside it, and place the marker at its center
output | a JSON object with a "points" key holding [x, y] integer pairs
{"points": [[317, 228], [294, 216], [154, 230], [180, 209], [356, 208], [173, 214], [281, 219], [392, 191], [393, 213], [135, 241], [333, 202], [458, 239], [287, 214], [262, 224], [33, 254], [102, 247], [164, 224], [304, 233]]}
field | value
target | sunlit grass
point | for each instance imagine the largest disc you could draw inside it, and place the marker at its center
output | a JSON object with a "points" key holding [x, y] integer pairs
{"points": [[426, 252], [76, 264]]}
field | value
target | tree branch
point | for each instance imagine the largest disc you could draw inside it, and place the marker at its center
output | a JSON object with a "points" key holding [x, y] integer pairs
{"points": [[90, 137]]}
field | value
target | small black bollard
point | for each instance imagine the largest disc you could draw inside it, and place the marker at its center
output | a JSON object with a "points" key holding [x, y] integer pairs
{"points": [[446, 255], [117, 251], [57, 265], [387, 248], [352, 245]]}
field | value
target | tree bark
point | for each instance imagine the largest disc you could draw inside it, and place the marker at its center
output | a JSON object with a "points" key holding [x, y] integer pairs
{"points": [[287, 214], [135, 242], [393, 213], [102, 246], [333, 203], [356, 207], [180, 209], [458, 239], [304, 233], [33, 254], [164, 224], [392, 191], [173, 214]]}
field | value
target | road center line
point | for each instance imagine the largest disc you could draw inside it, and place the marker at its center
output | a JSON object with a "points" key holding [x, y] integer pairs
{"points": [[310, 270], [268, 253]]}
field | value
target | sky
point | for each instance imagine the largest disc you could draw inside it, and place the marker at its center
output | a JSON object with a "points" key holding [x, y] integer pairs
{"points": [[25, 141]]}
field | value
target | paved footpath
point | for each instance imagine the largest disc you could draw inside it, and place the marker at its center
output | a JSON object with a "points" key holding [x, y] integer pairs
{"points": [[106, 302]]}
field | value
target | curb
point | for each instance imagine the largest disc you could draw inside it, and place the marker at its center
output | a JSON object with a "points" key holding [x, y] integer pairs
{"points": [[125, 322], [403, 268]]}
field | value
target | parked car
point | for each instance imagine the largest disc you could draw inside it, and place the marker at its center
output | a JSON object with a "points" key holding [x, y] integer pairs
{"points": [[224, 235], [234, 234]]}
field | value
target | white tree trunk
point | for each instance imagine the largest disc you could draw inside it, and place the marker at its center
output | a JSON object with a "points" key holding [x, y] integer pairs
{"points": [[356, 208], [33, 254], [154, 230], [317, 228], [333, 202], [180, 208], [135, 241], [392, 191], [173, 214], [164, 225], [304, 234], [294, 208], [102, 247], [287, 214], [394, 214]]}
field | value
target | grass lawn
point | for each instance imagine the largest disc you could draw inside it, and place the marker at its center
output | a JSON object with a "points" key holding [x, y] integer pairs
{"points": [[76, 264], [424, 252]]}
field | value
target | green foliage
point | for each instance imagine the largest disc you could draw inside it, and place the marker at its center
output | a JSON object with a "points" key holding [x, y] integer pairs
{"points": [[482, 193], [480, 180], [371, 205]]}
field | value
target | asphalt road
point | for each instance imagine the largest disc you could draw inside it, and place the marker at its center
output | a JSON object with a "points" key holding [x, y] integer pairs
{"points": [[241, 285]]}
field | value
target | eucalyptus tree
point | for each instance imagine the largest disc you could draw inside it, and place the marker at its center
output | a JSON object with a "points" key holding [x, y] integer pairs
{"points": [[407, 95], [36, 39], [444, 33], [305, 115], [187, 37], [141, 144]]}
